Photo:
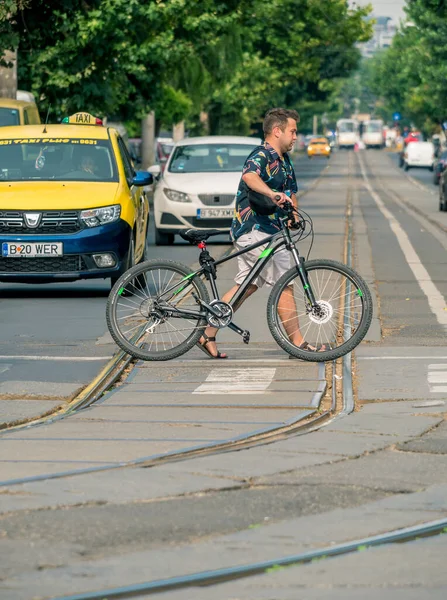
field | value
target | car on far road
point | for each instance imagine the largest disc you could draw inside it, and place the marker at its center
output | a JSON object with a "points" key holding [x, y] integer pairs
{"points": [[18, 112], [443, 191], [419, 154], [439, 166], [163, 148], [410, 138], [72, 207], [319, 146], [199, 184]]}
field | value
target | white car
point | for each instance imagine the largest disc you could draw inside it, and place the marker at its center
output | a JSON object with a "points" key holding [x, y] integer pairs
{"points": [[199, 184], [419, 154]]}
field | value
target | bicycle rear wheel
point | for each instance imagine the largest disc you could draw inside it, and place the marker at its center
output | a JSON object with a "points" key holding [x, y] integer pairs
{"points": [[136, 322], [338, 323]]}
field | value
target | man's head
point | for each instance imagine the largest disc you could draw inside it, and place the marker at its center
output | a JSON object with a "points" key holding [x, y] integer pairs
{"points": [[88, 164], [280, 128]]}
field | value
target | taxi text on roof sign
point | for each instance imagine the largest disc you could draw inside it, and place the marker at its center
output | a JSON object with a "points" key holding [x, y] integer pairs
{"points": [[82, 118]]}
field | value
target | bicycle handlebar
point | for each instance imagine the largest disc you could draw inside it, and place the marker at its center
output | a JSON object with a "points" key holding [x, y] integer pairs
{"points": [[291, 211]]}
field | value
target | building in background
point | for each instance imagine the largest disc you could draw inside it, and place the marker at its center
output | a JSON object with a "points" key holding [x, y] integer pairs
{"points": [[384, 31]]}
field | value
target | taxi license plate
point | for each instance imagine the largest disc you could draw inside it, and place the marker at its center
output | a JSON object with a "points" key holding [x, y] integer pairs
{"points": [[215, 213], [31, 250]]}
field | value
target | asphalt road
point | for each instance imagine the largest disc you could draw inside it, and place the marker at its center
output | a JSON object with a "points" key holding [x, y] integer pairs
{"points": [[382, 467]]}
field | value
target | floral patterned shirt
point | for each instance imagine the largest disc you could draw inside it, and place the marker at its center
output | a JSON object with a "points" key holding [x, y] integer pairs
{"points": [[278, 174]]}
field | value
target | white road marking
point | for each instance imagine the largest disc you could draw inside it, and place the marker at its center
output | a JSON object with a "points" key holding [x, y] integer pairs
{"points": [[68, 358], [401, 358], [236, 381], [435, 299], [4, 368], [435, 377], [437, 373]]}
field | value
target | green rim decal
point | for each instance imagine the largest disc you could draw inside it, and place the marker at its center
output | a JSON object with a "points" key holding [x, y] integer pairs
{"points": [[120, 291], [360, 293], [188, 277], [265, 253], [306, 287]]}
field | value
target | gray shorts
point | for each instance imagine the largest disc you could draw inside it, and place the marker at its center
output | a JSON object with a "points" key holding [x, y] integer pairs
{"points": [[275, 268]]}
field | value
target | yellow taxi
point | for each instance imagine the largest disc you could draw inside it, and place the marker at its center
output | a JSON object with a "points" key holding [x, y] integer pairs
{"points": [[71, 204], [318, 146], [18, 112]]}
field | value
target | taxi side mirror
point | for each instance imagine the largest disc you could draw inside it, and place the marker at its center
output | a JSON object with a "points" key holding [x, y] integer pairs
{"points": [[141, 179]]}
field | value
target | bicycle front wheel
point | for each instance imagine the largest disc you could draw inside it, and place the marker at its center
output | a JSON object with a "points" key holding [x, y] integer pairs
{"points": [[141, 310], [334, 327]]}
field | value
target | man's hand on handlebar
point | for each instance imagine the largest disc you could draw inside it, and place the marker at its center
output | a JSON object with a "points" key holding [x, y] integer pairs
{"points": [[279, 198], [289, 208]]}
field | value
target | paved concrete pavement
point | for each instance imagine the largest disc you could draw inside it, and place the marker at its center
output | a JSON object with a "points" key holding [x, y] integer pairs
{"points": [[381, 468]]}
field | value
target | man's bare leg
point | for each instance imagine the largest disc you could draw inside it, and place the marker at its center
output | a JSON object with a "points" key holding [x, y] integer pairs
{"points": [[289, 317], [211, 331]]}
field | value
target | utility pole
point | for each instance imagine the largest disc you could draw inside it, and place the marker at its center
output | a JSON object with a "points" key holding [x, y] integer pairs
{"points": [[8, 76], [148, 141], [315, 125]]}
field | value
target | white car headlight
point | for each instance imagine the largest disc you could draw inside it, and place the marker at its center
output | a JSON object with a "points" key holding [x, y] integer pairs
{"points": [[101, 216], [176, 196]]}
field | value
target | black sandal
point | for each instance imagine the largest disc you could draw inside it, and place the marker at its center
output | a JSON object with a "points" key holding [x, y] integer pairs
{"points": [[204, 348], [309, 348]]}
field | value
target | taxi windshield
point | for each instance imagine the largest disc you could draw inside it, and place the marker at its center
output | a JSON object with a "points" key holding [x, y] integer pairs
{"points": [[209, 158], [9, 116], [63, 159]]}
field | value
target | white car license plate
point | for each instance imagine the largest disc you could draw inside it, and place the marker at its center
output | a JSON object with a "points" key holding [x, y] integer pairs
{"points": [[215, 213], [31, 250]]}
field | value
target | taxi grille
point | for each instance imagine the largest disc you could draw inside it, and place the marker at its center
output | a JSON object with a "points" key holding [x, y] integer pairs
{"points": [[51, 222], [59, 264], [217, 199]]}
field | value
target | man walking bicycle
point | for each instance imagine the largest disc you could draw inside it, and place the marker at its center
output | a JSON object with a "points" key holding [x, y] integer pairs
{"points": [[268, 170]]}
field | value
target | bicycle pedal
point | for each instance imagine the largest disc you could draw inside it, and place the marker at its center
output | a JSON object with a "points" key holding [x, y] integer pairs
{"points": [[246, 336]]}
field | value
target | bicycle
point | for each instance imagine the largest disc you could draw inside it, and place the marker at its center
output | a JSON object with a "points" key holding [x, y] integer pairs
{"points": [[333, 303]]}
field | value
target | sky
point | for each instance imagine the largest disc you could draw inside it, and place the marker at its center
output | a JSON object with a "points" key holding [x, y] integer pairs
{"points": [[385, 8]]}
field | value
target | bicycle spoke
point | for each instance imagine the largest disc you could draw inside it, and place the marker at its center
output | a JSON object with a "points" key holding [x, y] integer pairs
{"points": [[140, 307], [337, 302]]}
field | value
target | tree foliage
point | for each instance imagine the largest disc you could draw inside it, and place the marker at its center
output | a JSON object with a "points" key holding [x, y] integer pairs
{"points": [[411, 76], [231, 60]]}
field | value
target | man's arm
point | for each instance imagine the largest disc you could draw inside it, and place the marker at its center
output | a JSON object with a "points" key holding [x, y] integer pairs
{"points": [[256, 184]]}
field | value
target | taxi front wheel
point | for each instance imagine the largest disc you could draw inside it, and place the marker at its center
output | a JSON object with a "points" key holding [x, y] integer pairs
{"points": [[129, 262]]}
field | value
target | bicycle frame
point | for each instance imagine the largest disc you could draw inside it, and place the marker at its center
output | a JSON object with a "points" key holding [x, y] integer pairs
{"points": [[274, 243]]}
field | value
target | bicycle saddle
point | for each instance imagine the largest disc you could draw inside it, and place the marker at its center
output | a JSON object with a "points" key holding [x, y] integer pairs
{"points": [[199, 235]]}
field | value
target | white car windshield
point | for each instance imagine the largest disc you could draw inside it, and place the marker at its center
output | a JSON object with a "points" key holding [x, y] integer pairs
{"points": [[56, 158], [346, 127], [210, 158]]}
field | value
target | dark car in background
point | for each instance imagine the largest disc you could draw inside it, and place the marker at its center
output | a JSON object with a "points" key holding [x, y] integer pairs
{"points": [[443, 191], [439, 166]]}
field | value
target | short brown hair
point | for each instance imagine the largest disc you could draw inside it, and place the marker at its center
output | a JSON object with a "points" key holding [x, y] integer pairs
{"points": [[277, 117]]}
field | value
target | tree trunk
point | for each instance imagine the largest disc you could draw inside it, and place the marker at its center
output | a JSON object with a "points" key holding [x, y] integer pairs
{"points": [[148, 141], [8, 76]]}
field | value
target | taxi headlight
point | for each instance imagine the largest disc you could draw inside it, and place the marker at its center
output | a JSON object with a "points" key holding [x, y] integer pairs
{"points": [[176, 196], [328, 148], [101, 216]]}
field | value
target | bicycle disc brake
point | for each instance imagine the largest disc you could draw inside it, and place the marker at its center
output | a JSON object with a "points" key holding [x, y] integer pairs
{"points": [[225, 314]]}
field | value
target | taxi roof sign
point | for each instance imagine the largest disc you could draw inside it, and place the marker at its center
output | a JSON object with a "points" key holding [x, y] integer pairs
{"points": [[82, 118]]}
